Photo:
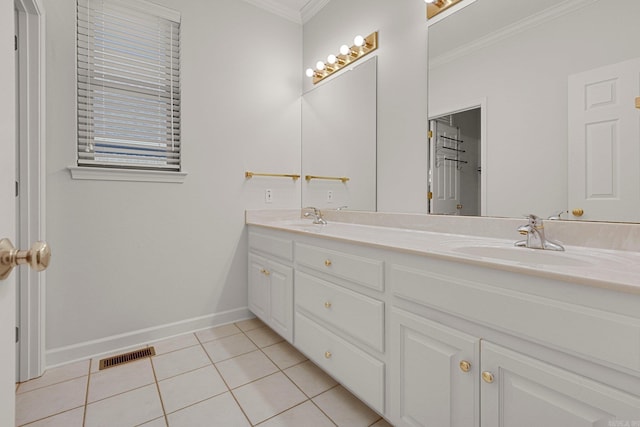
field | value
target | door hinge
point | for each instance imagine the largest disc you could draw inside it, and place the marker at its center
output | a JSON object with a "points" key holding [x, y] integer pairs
{"points": [[430, 134], [17, 188], [15, 41], [17, 334]]}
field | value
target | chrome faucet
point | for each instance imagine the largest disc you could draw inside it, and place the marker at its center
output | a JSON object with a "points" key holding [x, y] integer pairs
{"points": [[316, 214], [534, 230]]}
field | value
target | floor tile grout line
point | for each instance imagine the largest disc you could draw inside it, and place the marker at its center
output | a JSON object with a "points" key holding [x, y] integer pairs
{"points": [[223, 379], [308, 398], [155, 377], [86, 397]]}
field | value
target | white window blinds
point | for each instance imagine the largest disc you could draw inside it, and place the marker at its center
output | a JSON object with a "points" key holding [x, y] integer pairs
{"points": [[128, 66]]}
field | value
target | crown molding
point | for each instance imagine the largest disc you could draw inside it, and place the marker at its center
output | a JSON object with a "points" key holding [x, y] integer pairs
{"points": [[298, 16], [510, 30], [277, 9], [311, 8]]}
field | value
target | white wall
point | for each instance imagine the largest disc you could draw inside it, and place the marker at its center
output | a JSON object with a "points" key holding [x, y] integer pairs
{"points": [[402, 88], [524, 80], [131, 258]]}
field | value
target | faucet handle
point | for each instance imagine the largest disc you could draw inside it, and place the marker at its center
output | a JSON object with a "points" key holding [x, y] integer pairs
{"points": [[534, 220]]}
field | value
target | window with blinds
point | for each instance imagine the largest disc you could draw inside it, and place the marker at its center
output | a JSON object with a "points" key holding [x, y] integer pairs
{"points": [[128, 66]]}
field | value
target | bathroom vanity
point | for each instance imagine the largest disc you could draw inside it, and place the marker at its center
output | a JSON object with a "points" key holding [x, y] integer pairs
{"points": [[441, 329]]}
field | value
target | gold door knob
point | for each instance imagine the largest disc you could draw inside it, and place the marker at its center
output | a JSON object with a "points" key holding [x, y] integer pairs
{"points": [[327, 304], [465, 366], [37, 257], [577, 212], [265, 272], [487, 377], [327, 263], [327, 355]]}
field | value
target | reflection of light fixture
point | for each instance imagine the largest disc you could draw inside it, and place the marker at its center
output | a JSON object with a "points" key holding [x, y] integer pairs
{"points": [[361, 47], [434, 7]]}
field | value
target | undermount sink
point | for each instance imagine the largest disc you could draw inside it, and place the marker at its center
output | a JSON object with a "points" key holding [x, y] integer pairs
{"points": [[524, 255]]}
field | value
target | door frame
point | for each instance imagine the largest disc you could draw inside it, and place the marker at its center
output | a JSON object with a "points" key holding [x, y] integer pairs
{"points": [[459, 108], [31, 93]]}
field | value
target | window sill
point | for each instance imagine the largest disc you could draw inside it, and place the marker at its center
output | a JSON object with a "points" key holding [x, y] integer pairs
{"points": [[109, 174]]}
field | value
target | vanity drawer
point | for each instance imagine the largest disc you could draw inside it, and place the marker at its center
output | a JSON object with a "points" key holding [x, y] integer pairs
{"points": [[282, 248], [355, 369], [363, 271], [599, 334], [358, 315]]}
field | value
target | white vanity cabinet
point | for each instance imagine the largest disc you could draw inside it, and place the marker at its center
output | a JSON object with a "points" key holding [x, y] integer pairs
{"points": [[434, 373], [339, 317], [447, 369], [430, 340], [271, 281], [519, 391]]}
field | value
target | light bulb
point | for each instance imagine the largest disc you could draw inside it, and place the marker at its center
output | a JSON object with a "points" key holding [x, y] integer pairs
{"points": [[344, 49], [309, 72], [331, 59], [358, 40], [320, 66]]}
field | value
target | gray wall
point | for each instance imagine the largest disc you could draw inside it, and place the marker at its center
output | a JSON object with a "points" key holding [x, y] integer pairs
{"points": [[132, 260]]}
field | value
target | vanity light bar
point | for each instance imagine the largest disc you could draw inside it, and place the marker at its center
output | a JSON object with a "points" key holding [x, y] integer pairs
{"points": [[434, 7], [348, 55]]}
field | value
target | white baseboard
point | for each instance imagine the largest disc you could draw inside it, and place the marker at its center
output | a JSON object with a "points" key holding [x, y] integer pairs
{"points": [[115, 343]]}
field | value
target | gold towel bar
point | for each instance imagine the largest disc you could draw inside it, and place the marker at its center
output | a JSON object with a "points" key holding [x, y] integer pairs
{"points": [[295, 177], [333, 178]]}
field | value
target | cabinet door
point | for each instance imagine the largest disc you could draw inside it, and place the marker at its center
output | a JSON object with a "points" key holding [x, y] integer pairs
{"points": [[518, 391], [258, 287], [431, 385], [280, 299]]}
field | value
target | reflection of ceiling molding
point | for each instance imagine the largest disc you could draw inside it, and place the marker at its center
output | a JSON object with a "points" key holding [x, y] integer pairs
{"points": [[532, 21], [298, 16]]}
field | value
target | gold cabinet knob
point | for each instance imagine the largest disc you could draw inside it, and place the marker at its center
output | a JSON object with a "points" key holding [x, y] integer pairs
{"points": [[327, 262], [327, 304], [465, 366], [577, 212], [38, 257], [487, 377], [327, 355]]}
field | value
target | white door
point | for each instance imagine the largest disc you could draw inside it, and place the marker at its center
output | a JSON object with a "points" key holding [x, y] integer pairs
{"points": [[7, 213], [444, 179], [604, 143]]}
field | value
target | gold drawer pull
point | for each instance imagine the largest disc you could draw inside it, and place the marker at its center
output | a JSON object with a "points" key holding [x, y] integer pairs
{"points": [[327, 304], [327, 263], [487, 377], [465, 366], [327, 355]]}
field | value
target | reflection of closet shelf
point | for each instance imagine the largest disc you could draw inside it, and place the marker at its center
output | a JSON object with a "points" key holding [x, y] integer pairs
{"points": [[455, 160], [453, 149], [457, 141], [446, 144]]}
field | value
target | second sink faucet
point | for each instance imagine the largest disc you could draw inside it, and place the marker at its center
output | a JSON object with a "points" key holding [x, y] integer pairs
{"points": [[534, 230], [316, 214]]}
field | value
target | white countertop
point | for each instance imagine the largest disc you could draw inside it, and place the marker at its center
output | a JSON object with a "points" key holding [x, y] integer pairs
{"points": [[611, 269]]}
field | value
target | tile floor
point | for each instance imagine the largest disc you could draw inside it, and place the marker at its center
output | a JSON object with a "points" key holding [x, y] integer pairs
{"points": [[241, 374]]}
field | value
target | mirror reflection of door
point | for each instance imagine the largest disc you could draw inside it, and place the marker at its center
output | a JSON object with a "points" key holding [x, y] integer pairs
{"points": [[604, 143], [454, 174]]}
